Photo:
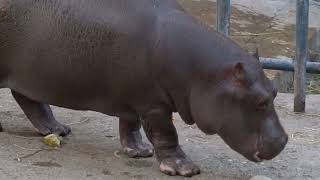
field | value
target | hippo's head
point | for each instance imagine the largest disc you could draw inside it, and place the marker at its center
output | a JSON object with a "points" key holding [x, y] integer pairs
{"points": [[237, 104]]}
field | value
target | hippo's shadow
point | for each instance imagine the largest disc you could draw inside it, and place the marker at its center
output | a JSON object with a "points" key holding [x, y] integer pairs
{"points": [[16, 123]]}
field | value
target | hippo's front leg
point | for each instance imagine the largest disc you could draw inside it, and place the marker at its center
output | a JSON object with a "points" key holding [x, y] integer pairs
{"points": [[160, 130], [40, 116]]}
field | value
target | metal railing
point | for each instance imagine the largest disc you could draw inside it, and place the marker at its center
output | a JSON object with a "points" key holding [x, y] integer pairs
{"points": [[300, 66]]}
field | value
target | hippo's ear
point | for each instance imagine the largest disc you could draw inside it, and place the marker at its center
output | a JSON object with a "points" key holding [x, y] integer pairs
{"points": [[240, 76], [256, 54]]}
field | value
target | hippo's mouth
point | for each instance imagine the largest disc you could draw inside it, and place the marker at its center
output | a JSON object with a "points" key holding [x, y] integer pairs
{"points": [[261, 153], [256, 157]]}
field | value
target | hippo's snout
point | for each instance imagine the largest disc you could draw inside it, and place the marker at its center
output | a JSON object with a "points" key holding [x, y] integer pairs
{"points": [[270, 148]]}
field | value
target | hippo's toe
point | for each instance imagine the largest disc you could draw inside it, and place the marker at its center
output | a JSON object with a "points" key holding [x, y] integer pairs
{"points": [[179, 166], [138, 150], [58, 129]]}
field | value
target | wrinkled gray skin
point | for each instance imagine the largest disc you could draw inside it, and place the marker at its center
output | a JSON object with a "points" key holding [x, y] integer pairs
{"points": [[139, 60]]}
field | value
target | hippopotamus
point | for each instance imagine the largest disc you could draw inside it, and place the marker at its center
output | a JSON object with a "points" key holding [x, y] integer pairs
{"points": [[141, 61]]}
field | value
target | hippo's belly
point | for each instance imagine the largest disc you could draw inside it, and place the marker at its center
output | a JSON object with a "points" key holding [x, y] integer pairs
{"points": [[52, 85], [73, 76]]}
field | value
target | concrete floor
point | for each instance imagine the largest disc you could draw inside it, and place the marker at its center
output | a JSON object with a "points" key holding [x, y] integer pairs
{"points": [[92, 151]]}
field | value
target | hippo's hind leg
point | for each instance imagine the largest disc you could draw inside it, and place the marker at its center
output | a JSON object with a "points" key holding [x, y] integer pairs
{"points": [[130, 136], [40, 116]]}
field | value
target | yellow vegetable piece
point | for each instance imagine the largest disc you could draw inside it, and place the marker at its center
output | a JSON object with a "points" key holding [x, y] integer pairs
{"points": [[52, 140]]}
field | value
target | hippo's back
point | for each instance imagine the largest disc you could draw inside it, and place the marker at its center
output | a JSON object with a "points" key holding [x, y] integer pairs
{"points": [[73, 52]]}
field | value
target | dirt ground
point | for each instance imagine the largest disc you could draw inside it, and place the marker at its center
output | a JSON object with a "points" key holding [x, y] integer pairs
{"points": [[272, 35], [250, 29], [92, 150]]}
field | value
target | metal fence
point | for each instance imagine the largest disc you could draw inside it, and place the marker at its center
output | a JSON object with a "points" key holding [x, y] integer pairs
{"points": [[300, 65]]}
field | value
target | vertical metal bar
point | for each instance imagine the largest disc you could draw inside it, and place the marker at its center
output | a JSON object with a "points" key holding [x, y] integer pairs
{"points": [[223, 16], [301, 55]]}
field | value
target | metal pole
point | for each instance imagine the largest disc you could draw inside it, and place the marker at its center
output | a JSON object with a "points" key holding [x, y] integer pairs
{"points": [[223, 16], [301, 55], [288, 65]]}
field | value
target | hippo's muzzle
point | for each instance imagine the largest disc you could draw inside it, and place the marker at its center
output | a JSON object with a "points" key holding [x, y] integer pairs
{"points": [[268, 149]]}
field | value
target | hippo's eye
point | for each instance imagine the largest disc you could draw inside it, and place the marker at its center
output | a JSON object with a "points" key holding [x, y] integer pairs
{"points": [[262, 105]]}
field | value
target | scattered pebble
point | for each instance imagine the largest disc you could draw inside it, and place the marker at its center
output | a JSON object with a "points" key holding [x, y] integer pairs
{"points": [[260, 178]]}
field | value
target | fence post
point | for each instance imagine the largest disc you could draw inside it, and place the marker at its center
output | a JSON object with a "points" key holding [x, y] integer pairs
{"points": [[301, 55], [223, 16]]}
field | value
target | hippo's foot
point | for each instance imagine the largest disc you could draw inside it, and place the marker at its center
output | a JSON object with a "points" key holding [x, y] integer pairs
{"points": [[52, 127], [40, 116], [134, 147], [179, 166], [130, 136]]}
